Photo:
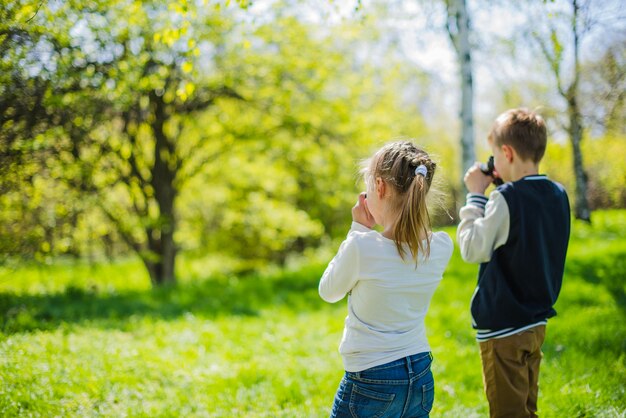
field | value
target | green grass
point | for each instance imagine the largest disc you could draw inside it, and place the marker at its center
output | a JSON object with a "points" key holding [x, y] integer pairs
{"points": [[81, 341]]}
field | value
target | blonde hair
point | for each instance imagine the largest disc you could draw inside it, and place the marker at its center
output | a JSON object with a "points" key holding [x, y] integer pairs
{"points": [[522, 129], [395, 163]]}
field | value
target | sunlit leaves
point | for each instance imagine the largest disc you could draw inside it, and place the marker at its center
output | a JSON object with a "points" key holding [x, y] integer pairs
{"points": [[557, 46], [187, 67], [261, 125]]}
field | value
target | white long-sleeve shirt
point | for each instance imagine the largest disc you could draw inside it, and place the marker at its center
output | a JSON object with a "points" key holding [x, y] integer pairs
{"points": [[388, 297], [484, 226]]}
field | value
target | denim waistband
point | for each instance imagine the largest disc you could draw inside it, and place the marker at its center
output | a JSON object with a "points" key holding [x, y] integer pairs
{"points": [[399, 371], [404, 360]]}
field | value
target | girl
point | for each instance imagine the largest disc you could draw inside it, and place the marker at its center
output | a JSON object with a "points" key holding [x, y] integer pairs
{"points": [[390, 278]]}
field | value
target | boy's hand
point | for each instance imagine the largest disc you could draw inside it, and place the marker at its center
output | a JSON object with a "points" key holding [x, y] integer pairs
{"points": [[475, 180], [361, 214]]}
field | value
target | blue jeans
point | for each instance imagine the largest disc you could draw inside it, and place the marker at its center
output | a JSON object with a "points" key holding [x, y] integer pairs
{"points": [[401, 388]]}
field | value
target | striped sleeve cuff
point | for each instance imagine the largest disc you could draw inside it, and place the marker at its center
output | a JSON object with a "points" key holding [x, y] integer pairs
{"points": [[476, 199]]}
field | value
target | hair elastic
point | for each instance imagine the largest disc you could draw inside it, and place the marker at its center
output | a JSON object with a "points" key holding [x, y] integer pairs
{"points": [[421, 169]]}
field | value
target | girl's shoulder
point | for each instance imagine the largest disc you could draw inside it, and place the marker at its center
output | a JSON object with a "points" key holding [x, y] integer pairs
{"points": [[371, 237], [441, 240], [441, 236]]}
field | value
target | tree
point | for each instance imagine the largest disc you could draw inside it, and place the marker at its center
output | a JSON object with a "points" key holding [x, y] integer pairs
{"points": [[604, 90], [458, 27], [561, 47], [213, 136], [112, 86]]}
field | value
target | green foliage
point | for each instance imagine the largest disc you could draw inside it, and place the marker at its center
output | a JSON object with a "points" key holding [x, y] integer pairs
{"points": [[261, 122], [607, 175], [226, 345], [243, 138]]}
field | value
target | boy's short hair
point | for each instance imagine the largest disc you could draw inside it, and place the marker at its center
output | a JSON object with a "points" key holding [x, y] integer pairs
{"points": [[522, 129]]}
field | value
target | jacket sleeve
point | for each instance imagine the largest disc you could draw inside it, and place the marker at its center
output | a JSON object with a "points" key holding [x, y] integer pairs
{"points": [[484, 226], [342, 272]]}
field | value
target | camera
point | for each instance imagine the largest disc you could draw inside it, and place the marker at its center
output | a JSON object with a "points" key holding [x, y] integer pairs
{"points": [[487, 169]]}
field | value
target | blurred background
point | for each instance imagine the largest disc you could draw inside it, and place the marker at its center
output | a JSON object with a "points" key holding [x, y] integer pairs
{"points": [[195, 136], [175, 177]]}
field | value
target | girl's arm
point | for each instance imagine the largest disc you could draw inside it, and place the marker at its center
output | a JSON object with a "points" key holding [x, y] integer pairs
{"points": [[342, 272]]}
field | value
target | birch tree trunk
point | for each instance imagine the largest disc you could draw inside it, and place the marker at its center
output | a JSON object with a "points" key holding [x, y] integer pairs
{"points": [[458, 26]]}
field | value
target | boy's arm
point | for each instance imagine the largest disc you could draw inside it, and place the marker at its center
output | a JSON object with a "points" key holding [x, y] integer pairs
{"points": [[341, 274], [484, 226]]}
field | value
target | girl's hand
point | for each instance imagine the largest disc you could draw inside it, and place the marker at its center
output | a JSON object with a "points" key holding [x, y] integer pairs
{"points": [[361, 214]]}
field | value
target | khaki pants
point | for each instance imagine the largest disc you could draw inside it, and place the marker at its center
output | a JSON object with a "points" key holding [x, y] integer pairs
{"points": [[511, 372]]}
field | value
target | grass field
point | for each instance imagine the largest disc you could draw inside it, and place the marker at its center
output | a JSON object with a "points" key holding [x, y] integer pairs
{"points": [[80, 340]]}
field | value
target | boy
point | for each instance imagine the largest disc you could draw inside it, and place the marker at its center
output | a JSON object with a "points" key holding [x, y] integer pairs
{"points": [[520, 236]]}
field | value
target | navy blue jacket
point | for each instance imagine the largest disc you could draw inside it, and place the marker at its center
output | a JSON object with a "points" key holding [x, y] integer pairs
{"points": [[522, 281]]}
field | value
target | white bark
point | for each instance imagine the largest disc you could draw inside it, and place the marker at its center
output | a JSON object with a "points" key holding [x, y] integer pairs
{"points": [[459, 30]]}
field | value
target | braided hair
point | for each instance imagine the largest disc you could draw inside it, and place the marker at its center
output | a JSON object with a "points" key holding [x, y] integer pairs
{"points": [[409, 171]]}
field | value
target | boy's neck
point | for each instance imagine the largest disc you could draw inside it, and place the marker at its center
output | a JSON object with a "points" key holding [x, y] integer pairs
{"points": [[521, 169]]}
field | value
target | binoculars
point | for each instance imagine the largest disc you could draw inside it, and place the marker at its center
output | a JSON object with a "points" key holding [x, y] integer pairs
{"points": [[487, 169]]}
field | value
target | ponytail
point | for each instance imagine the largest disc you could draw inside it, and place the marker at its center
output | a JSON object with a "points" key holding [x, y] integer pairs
{"points": [[413, 220], [410, 171]]}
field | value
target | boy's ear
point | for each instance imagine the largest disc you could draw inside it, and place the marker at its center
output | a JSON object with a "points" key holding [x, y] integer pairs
{"points": [[509, 152], [380, 187]]}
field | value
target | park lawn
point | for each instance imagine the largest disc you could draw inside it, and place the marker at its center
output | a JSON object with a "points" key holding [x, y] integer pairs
{"points": [[89, 341]]}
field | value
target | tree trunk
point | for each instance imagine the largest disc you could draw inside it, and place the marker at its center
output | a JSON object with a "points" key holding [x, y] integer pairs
{"points": [[581, 208], [161, 243], [467, 89], [575, 131], [459, 31], [161, 259]]}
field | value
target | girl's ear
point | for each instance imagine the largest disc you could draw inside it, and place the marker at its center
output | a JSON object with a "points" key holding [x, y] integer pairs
{"points": [[380, 188]]}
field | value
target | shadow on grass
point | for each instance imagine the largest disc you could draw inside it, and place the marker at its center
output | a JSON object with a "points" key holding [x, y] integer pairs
{"points": [[244, 296]]}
